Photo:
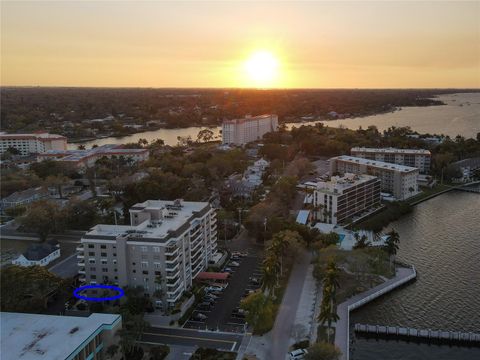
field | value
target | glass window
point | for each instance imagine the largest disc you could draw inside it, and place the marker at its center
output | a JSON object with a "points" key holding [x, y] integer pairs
{"points": [[156, 249]]}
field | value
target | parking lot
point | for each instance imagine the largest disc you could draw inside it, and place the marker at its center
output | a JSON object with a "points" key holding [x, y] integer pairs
{"points": [[220, 307]]}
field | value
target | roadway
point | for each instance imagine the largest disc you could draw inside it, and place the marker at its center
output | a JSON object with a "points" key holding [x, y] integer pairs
{"points": [[193, 338]]}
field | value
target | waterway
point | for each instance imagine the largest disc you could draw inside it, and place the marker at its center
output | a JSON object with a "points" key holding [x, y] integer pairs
{"points": [[441, 237], [460, 116]]}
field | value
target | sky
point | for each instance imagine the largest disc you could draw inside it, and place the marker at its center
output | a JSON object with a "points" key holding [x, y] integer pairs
{"points": [[315, 44]]}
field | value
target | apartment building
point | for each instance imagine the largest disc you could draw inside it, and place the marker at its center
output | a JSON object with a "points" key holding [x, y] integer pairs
{"points": [[82, 159], [172, 239], [35, 143], [248, 129], [339, 199], [419, 158], [399, 180], [36, 336]]}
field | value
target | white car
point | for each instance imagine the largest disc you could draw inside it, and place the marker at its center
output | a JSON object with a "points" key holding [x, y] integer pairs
{"points": [[214, 288], [298, 354], [234, 264]]}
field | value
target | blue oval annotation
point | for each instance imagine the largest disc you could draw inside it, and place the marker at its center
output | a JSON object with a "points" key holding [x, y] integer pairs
{"points": [[119, 291]]}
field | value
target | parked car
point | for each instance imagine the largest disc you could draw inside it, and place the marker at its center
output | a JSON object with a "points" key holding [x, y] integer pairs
{"points": [[199, 317], [228, 270], [234, 264], [211, 296], [205, 304], [298, 354], [255, 281], [214, 288]]}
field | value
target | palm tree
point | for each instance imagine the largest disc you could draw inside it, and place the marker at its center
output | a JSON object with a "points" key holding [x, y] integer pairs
{"points": [[271, 267], [328, 311], [361, 242], [391, 244]]}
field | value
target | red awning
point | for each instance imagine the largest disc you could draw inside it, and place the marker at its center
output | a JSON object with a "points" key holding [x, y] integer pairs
{"points": [[212, 276]]}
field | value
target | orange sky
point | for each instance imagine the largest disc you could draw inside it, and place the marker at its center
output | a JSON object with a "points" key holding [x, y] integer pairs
{"points": [[356, 44]]}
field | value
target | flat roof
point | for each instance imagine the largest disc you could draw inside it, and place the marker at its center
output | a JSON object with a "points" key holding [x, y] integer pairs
{"points": [[49, 337], [249, 118], [378, 164], [153, 228], [336, 184], [391, 150]]}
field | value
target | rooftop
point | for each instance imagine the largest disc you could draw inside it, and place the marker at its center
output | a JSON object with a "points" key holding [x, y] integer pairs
{"points": [[378, 164], [337, 184], [78, 155], [36, 252], [249, 118], [171, 217], [38, 135], [391, 150], [42, 337]]}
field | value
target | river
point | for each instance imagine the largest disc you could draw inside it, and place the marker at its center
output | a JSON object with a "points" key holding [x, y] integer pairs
{"points": [[441, 237], [460, 116]]}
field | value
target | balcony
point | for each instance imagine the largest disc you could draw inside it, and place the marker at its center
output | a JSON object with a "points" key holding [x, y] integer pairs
{"points": [[171, 273], [80, 248], [174, 284], [81, 263], [172, 251], [80, 256], [173, 260], [81, 271]]}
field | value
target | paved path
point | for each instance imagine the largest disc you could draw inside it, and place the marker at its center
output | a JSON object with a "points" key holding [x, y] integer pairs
{"points": [[67, 268], [342, 333], [282, 328]]}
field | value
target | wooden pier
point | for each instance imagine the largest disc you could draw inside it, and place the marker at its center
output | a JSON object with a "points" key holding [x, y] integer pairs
{"points": [[397, 331]]}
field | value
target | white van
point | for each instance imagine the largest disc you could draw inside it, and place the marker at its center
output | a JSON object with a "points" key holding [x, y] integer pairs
{"points": [[298, 354]]}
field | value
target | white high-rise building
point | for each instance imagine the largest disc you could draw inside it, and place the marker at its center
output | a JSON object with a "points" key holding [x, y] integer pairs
{"points": [[340, 198], [35, 143], [248, 129], [419, 158], [172, 239], [399, 180]]}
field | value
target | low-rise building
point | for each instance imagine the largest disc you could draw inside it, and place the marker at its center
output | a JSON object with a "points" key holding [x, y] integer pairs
{"points": [[83, 159], [419, 158], [48, 337], [23, 198], [339, 199], [38, 254], [248, 129], [399, 180], [171, 240], [35, 143]]}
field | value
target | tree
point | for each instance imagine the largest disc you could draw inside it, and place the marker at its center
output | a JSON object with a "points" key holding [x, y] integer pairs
{"points": [[43, 217], [159, 292], [26, 289], [361, 242], [112, 350], [205, 135], [259, 311], [328, 311], [323, 351], [270, 269], [56, 181], [131, 332], [391, 244]]}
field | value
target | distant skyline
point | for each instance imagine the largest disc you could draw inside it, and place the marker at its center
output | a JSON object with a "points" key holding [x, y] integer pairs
{"points": [[343, 44]]}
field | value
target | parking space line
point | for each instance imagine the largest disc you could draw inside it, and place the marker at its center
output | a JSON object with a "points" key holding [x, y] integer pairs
{"points": [[191, 337]]}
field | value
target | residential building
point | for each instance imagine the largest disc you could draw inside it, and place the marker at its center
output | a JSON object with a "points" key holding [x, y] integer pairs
{"points": [[248, 129], [172, 239], [398, 180], [39, 337], [419, 158], [23, 198], [339, 199], [83, 159], [35, 143], [38, 254]]}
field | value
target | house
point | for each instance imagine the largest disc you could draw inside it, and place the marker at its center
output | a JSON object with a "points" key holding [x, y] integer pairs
{"points": [[38, 254], [25, 197]]}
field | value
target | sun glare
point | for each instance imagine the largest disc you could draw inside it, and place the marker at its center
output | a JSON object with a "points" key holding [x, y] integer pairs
{"points": [[262, 69]]}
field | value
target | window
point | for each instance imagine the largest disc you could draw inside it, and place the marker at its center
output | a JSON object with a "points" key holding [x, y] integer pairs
{"points": [[114, 254], [158, 273], [93, 276], [134, 271], [103, 246], [93, 268], [114, 261], [116, 277], [145, 272], [105, 269], [157, 265], [104, 261], [143, 248], [91, 253], [91, 246], [91, 261], [156, 249], [144, 257], [144, 264], [103, 254]]}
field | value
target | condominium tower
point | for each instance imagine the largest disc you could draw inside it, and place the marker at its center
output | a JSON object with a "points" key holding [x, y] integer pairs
{"points": [[248, 129], [174, 240], [399, 180], [35, 143], [419, 158], [339, 199]]}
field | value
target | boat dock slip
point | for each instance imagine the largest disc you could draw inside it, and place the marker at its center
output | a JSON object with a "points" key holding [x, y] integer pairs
{"points": [[342, 331], [418, 333]]}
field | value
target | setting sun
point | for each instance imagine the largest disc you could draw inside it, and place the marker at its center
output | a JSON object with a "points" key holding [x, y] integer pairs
{"points": [[262, 68]]}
